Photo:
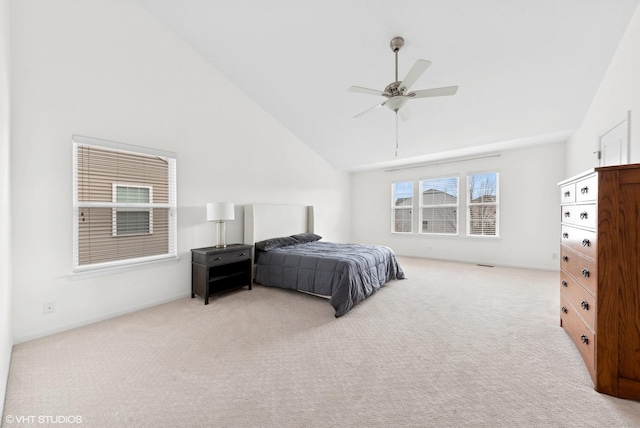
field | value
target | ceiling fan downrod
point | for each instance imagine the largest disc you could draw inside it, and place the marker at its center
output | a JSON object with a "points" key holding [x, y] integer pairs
{"points": [[396, 44]]}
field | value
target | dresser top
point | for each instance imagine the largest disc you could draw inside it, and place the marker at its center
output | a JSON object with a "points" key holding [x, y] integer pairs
{"points": [[577, 177], [598, 169]]}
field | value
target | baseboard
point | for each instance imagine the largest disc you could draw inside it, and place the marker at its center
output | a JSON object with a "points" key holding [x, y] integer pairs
{"points": [[93, 320]]}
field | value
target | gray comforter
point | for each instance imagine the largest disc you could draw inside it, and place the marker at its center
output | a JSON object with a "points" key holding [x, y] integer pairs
{"points": [[348, 273]]}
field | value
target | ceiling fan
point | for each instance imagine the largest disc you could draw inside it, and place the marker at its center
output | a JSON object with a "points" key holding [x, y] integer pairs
{"points": [[397, 93]]}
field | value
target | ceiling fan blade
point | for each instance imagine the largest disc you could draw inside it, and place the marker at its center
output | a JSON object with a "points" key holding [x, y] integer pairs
{"points": [[370, 109], [416, 71], [367, 91], [404, 113], [435, 92]]}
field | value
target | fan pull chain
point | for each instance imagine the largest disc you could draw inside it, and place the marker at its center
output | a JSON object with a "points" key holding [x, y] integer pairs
{"points": [[397, 133]]}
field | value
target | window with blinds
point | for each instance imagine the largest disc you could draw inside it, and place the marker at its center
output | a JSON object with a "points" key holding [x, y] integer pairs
{"points": [[124, 204], [439, 206], [482, 204], [402, 207]]}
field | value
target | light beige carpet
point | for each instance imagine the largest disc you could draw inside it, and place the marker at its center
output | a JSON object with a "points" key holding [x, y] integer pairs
{"points": [[454, 345]]}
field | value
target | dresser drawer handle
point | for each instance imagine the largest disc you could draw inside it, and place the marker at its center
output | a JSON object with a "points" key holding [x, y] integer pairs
{"points": [[584, 339], [585, 273], [586, 243], [567, 213], [584, 190], [564, 310], [565, 258], [585, 305], [564, 284], [217, 258], [243, 254], [565, 235], [567, 194], [584, 215]]}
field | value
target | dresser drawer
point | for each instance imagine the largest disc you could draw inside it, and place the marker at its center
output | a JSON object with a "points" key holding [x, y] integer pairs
{"points": [[587, 189], [583, 302], [584, 215], [228, 257], [568, 193], [582, 336], [580, 240], [582, 269]]}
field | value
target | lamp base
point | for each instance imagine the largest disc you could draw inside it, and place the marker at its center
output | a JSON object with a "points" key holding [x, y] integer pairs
{"points": [[221, 234]]}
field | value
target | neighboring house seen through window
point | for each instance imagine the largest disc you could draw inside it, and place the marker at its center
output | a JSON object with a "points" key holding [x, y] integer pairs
{"points": [[482, 204], [439, 206], [124, 204], [402, 207]]}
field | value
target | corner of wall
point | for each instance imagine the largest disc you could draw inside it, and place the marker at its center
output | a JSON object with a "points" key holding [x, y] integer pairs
{"points": [[6, 334], [618, 93]]}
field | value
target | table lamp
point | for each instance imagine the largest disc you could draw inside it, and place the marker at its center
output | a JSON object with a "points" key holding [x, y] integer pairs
{"points": [[220, 212]]}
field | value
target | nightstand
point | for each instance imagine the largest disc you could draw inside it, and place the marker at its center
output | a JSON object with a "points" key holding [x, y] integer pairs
{"points": [[214, 270]]}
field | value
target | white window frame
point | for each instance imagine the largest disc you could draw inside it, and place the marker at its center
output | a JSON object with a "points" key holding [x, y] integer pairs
{"points": [[471, 204], [172, 243], [395, 207], [421, 205], [132, 206]]}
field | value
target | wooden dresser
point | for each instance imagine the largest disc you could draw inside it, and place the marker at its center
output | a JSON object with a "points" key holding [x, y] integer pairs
{"points": [[600, 274]]}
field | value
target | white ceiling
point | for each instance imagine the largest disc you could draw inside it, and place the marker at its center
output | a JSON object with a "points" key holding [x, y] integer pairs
{"points": [[527, 70]]}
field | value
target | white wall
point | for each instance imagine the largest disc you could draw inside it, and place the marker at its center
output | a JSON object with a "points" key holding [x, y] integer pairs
{"points": [[108, 69], [529, 207], [6, 337], [619, 92]]}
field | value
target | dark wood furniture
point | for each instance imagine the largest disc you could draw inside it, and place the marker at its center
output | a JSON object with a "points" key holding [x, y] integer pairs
{"points": [[214, 270], [600, 275]]}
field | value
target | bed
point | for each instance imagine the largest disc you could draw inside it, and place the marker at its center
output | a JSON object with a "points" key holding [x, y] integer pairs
{"points": [[289, 255]]}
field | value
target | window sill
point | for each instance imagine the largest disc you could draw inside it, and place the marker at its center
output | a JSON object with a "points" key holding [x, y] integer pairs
{"points": [[96, 272]]}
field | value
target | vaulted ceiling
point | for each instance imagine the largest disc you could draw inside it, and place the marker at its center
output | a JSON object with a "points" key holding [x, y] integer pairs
{"points": [[527, 70]]}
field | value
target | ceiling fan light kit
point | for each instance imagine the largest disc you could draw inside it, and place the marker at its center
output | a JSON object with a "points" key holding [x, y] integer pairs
{"points": [[396, 92]]}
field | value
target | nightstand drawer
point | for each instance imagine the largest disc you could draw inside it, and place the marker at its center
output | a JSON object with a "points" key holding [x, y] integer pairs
{"points": [[228, 257]]}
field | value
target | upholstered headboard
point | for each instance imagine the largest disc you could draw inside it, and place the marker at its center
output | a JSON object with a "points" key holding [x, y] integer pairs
{"points": [[264, 221]]}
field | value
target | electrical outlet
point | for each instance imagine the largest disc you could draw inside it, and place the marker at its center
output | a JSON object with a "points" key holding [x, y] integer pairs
{"points": [[49, 308]]}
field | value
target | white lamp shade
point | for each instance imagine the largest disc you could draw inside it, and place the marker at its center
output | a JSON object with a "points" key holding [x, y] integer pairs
{"points": [[217, 211]]}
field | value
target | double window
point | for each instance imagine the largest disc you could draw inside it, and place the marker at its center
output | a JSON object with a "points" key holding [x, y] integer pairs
{"points": [[439, 205], [124, 204]]}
